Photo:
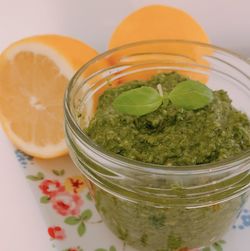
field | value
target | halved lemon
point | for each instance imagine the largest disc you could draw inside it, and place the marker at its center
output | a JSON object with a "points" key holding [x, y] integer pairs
{"points": [[34, 73]]}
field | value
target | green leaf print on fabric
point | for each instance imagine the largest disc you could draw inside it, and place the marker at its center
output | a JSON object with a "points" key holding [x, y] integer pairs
{"points": [[81, 229], [80, 221], [58, 172], [112, 248], [217, 246], [45, 199], [72, 220], [37, 177]]}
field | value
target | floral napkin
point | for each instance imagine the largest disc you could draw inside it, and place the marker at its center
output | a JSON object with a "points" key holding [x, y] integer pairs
{"points": [[74, 224]]}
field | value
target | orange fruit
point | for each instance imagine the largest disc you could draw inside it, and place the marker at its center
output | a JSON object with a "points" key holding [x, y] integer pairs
{"points": [[34, 73], [157, 22]]}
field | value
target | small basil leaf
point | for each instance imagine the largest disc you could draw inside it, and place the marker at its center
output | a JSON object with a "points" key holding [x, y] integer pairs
{"points": [[138, 101], [191, 95]]}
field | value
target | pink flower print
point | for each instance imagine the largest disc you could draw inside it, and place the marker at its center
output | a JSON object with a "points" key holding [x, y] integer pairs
{"points": [[51, 187], [74, 249], [56, 233], [67, 204]]}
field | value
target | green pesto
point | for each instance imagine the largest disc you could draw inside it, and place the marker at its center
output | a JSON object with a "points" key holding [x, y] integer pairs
{"points": [[171, 135], [149, 228]]}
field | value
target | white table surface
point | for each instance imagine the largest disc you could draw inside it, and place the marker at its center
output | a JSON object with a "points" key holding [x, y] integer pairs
{"points": [[226, 21]]}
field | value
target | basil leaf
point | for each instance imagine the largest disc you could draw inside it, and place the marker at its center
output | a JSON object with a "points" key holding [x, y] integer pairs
{"points": [[138, 101], [191, 95]]}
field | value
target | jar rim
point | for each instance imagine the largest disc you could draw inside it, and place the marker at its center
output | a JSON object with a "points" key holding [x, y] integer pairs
{"points": [[230, 163]]}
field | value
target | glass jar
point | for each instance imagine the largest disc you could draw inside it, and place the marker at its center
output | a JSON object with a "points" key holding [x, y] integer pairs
{"points": [[155, 207]]}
